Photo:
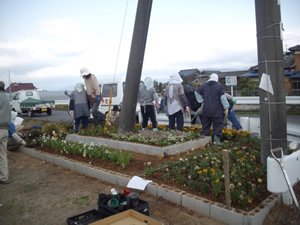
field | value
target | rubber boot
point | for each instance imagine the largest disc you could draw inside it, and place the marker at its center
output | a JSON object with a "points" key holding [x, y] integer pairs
{"points": [[154, 129], [217, 140]]}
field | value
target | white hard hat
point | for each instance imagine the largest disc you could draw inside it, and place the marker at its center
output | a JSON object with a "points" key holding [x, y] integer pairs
{"points": [[84, 71]]}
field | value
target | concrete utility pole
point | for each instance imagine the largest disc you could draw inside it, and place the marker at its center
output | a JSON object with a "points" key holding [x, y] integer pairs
{"points": [[135, 65], [270, 61]]}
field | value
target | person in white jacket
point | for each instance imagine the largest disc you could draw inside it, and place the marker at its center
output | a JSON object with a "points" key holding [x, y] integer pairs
{"points": [[176, 102]]}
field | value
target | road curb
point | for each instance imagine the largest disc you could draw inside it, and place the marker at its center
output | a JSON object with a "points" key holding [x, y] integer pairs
{"points": [[200, 205]]}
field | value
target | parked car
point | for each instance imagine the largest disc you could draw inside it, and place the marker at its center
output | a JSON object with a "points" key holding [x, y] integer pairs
{"points": [[29, 101]]}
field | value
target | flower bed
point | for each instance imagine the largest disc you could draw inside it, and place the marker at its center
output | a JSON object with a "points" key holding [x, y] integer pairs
{"points": [[199, 171]]}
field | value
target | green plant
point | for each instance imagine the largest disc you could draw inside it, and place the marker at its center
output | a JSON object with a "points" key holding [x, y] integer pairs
{"points": [[92, 151], [202, 169], [149, 171]]}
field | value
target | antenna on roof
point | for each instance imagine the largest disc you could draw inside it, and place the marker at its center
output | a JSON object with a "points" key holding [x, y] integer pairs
{"points": [[285, 44]]}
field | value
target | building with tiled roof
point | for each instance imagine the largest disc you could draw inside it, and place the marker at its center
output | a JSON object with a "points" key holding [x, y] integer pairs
{"points": [[14, 87]]}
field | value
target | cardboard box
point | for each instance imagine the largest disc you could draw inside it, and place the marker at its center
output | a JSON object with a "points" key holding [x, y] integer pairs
{"points": [[128, 217]]}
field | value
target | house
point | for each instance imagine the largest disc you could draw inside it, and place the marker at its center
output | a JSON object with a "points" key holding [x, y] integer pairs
{"points": [[294, 77], [189, 74], [197, 77], [291, 70], [14, 87]]}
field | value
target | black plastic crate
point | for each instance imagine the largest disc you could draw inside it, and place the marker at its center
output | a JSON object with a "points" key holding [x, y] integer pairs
{"points": [[105, 211], [85, 218]]}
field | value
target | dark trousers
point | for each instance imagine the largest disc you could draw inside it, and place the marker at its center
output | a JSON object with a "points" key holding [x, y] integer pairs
{"points": [[216, 122], [161, 106], [84, 120], [99, 117], [176, 118], [194, 118], [148, 111]]}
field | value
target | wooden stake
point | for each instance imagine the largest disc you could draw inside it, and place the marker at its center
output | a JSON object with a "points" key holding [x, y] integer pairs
{"points": [[227, 179]]}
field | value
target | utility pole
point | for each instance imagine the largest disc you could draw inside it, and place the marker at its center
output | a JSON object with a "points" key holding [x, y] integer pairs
{"points": [[9, 85], [135, 65], [270, 61]]}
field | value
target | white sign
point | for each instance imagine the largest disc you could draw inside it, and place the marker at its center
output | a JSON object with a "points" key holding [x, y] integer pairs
{"points": [[231, 81]]}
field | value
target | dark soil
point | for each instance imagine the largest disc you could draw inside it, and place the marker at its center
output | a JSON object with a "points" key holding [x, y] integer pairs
{"points": [[137, 168]]}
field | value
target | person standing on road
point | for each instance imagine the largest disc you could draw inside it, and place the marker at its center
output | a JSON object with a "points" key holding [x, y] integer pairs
{"points": [[94, 94], [162, 102], [5, 119], [231, 114], [147, 94], [79, 107], [176, 102], [215, 105]]}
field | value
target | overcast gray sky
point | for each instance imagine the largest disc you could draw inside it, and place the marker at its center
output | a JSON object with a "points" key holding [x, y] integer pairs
{"points": [[47, 42]]}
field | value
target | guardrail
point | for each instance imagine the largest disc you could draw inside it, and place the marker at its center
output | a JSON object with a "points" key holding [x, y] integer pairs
{"points": [[61, 102], [254, 100], [251, 100]]}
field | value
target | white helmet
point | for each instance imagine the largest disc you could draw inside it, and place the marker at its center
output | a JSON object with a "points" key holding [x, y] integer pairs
{"points": [[84, 71]]}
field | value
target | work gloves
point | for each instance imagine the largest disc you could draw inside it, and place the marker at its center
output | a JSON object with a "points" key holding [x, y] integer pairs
{"points": [[97, 98]]}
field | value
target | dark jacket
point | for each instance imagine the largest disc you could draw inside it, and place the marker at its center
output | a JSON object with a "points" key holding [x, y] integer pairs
{"points": [[211, 92]]}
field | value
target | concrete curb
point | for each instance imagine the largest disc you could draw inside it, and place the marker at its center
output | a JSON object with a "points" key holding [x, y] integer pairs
{"points": [[200, 205], [140, 148]]}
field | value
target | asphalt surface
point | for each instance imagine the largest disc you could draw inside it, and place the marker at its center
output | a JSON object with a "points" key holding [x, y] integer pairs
{"points": [[63, 116]]}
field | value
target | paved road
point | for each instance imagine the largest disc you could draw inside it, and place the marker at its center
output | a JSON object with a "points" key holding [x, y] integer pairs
{"points": [[63, 116]]}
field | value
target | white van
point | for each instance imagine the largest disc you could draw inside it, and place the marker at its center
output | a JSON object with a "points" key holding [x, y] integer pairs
{"points": [[117, 96]]}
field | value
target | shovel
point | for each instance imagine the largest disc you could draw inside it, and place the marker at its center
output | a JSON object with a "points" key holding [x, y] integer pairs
{"points": [[280, 162]]}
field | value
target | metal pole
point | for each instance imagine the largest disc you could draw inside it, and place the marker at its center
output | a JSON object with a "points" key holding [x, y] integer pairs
{"points": [[9, 85], [135, 65], [270, 61]]}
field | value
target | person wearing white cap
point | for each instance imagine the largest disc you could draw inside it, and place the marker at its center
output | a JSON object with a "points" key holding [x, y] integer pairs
{"points": [[5, 119], [176, 102], [215, 105], [94, 94], [79, 107]]}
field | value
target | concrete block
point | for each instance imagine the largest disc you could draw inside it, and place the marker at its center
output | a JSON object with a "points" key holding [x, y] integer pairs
{"points": [[122, 180], [49, 158], [33, 153], [107, 176], [197, 204], [232, 217], [258, 215], [151, 188], [69, 164], [141, 148], [59, 162], [94, 172], [170, 194], [81, 168]]}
